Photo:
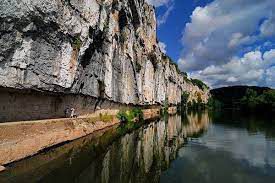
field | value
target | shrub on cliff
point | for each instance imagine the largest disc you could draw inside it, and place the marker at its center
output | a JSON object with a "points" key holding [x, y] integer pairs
{"points": [[200, 84], [77, 43]]}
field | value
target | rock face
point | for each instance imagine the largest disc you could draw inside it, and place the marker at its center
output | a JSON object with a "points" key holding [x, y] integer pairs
{"points": [[100, 48]]}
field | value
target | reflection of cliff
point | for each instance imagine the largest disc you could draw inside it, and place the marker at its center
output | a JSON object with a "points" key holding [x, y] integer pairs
{"points": [[139, 156], [143, 154]]}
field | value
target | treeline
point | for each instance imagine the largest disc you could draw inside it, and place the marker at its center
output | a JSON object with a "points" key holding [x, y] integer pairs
{"points": [[253, 101], [244, 98], [191, 104]]}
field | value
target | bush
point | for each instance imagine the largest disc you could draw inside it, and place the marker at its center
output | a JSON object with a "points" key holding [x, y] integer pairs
{"points": [[122, 116], [137, 113], [128, 116]]}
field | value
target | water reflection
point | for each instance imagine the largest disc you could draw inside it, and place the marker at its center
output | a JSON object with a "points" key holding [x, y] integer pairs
{"points": [[236, 148], [139, 156], [195, 147], [200, 164]]}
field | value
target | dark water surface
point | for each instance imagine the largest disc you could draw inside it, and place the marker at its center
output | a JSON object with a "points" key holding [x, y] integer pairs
{"points": [[197, 147]]}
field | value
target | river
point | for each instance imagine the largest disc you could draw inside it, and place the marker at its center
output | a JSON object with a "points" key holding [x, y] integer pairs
{"points": [[194, 147]]}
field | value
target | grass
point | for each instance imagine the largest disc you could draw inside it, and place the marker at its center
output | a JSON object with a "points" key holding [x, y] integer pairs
{"points": [[102, 117], [105, 117]]}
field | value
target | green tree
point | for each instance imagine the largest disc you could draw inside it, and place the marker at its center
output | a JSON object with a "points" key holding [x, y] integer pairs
{"points": [[184, 98], [251, 99], [268, 98]]}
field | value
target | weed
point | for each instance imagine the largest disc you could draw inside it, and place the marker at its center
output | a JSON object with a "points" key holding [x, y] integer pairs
{"points": [[77, 43]]}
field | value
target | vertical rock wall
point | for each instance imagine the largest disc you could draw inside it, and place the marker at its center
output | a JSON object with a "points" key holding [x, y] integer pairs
{"points": [[100, 48]]}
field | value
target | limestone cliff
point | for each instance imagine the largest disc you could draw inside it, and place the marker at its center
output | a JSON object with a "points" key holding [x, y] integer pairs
{"points": [[100, 48]]}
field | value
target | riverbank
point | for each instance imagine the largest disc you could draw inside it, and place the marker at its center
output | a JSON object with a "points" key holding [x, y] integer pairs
{"points": [[23, 139]]}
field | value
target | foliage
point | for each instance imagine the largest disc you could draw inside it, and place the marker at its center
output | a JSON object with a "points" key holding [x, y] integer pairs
{"points": [[129, 116], [196, 105], [214, 103], [77, 43], [184, 74], [106, 25], [199, 98], [199, 83], [123, 116], [254, 101], [244, 98], [173, 63], [165, 106], [251, 99], [184, 98], [137, 113], [269, 97]]}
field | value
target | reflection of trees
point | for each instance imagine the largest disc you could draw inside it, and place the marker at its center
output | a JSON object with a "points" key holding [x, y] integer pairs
{"points": [[253, 122], [139, 156]]}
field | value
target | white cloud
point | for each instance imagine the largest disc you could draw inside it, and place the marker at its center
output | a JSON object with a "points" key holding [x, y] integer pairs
{"points": [[222, 31], [254, 68], [162, 47], [163, 18], [270, 77], [268, 27], [169, 5], [158, 3]]}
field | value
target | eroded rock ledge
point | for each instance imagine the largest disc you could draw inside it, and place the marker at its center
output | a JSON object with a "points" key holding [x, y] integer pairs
{"points": [[99, 48]]}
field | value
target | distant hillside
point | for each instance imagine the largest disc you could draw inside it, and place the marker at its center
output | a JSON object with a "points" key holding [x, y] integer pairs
{"points": [[234, 95]]}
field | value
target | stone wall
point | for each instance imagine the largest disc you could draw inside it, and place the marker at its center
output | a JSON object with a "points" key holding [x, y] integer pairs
{"points": [[19, 105]]}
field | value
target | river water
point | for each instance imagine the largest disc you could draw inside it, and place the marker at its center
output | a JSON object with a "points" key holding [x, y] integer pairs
{"points": [[194, 147]]}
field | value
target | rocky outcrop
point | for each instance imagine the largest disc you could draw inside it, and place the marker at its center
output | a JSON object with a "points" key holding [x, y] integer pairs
{"points": [[100, 48]]}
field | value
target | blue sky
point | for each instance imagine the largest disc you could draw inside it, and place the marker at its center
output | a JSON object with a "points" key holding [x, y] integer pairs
{"points": [[222, 42], [171, 31]]}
